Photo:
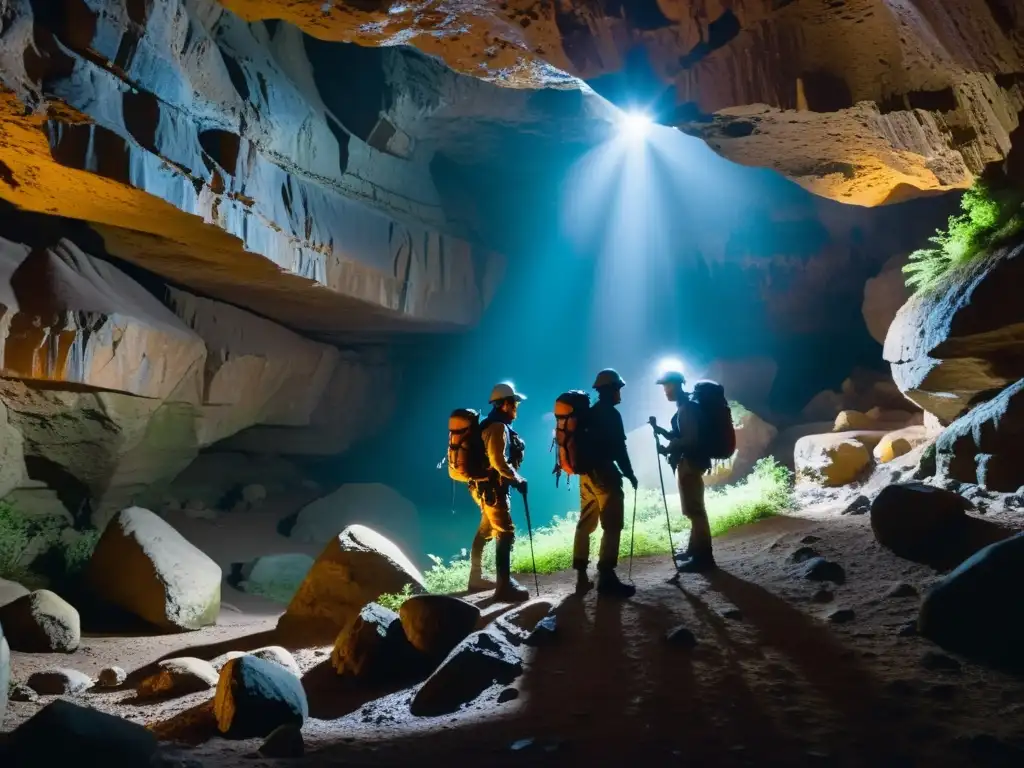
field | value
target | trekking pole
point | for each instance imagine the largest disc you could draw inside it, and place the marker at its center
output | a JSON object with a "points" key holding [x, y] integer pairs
{"points": [[529, 531], [632, 536], [664, 499]]}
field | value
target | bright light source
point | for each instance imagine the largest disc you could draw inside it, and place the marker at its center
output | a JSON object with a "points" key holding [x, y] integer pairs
{"points": [[668, 364], [635, 125]]}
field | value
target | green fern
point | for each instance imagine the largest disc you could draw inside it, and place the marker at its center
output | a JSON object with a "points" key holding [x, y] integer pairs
{"points": [[990, 217]]}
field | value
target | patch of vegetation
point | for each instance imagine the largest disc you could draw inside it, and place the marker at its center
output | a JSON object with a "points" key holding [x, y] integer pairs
{"points": [[739, 411], [767, 491], [991, 215], [393, 600], [36, 551]]}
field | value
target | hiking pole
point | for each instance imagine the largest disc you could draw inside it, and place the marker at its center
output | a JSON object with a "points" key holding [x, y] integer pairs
{"points": [[664, 498], [632, 536], [529, 532]]}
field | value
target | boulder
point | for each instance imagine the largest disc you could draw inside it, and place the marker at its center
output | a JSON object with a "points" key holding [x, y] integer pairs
{"points": [[274, 653], [355, 568], [11, 591], [65, 734], [284, 742], [5, 673], [276, 577], [918, 521], [900, 443], [957, 345], [847, 421], [255, 697], [483, 659], [373, 646], [111, 677], [378, 506], [783, 447], [434, 624], [55, 682], [831, 460], [985, 446], [144, 566], [754, 435], [976, 610], [884, 294], [179, 677], [41, 622]]}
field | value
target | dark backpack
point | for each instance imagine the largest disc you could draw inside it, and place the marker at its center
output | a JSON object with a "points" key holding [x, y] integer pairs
{"points": [[717, 436], [467, 458], [571, 410]]}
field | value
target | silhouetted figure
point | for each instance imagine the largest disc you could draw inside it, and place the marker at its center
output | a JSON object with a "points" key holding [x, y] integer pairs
{"points": [[505, 451], [689, 467], [601, 496]]}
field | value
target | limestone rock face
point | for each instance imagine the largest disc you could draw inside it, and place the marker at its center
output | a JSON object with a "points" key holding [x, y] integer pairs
{"points": [[144, 566], [864, 104], [984, 446], [960, 344], [356, 567]]}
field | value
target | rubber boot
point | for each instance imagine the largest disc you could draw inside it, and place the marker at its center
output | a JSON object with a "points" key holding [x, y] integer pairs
{"points": [[507, 590], [477, 582], [608, 585], [701, 562], [700, 557]]}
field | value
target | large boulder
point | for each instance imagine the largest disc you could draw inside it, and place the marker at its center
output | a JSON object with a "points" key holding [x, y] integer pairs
{"points": [[831, 460], [63, 733], [378, 506], [434, 624], [179, 677], [884, 294], [985, 446], [957, 345], [356, 567], [254, 697], [5, 673], [11, 591], [373, 646], [483, 659], [41, 622], [976, 609], [900, 442], [918, 521], [144, 566]]}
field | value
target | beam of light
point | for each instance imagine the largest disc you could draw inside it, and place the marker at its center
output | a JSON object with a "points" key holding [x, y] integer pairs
{"points": [[635, 125], [669, 364]]}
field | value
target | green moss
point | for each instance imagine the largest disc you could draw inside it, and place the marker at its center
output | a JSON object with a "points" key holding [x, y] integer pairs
{"points": [[765, 492], [992, 215]]}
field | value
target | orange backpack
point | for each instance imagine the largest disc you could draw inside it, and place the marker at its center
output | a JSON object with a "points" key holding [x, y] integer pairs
{"points": [[571, 409], [467, 459]]}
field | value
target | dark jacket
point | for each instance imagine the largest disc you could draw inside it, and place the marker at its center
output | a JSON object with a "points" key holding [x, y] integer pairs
{"points": [[684, 432], [606, 438]]}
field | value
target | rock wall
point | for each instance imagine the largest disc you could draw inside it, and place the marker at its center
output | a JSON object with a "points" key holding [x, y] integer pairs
{"points": [[865, 101], [202, 148], [107, 393]]}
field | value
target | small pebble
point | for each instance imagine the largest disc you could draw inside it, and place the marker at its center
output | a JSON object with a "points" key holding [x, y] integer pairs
{"points": [[508, 694], [681, 637], [901, 589], [823, 596], [111, 677], [841, 616], [23, 693]]}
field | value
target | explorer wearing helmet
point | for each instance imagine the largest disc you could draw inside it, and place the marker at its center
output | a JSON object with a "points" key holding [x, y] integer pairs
{"points": [[504, 450], [601, 496], [690, 470]]}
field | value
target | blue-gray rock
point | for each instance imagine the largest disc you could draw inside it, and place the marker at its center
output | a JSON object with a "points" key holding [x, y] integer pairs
{"points": [[63, 733], [918, 521], [255, 697], [820, 569], [483, 659], [976, 609]]}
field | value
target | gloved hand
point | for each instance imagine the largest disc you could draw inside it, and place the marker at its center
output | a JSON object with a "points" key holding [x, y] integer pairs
{"points": [[521, 486], [653, 421], [633, 481], [663, 450]]}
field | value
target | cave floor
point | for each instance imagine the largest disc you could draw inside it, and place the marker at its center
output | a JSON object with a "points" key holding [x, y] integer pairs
{"points": [[773, 680]]}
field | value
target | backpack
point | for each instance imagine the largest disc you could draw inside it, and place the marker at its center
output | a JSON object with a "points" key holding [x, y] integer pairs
{"points": [[717, 436], [571, 409], [467, 459]]}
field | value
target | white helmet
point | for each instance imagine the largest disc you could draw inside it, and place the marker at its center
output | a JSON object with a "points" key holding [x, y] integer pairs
{"points": [[505, 390]]}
